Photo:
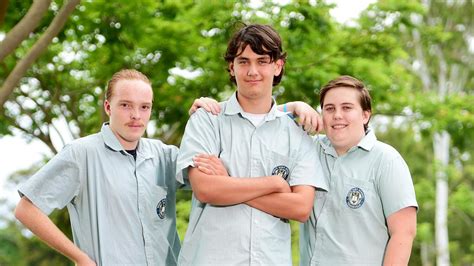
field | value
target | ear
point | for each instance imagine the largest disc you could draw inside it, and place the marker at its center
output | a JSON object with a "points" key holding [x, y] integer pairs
{"points": [[231, 69], [107, 107], [366, 115], [278, 66]]}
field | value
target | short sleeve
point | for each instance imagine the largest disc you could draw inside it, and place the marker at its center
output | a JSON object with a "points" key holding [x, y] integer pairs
{"points": [[56, 183], [200, 136], [396, 186], [307, 169]]}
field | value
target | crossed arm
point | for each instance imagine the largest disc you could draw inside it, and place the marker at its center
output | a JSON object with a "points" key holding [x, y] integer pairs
{"points": [[270, 194]]}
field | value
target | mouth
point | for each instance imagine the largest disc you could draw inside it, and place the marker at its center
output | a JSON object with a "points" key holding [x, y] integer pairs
{"points": [[253, 81], [339, 126], [135, 125]]}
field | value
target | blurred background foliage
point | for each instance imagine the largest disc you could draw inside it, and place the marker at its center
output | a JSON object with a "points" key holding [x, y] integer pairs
{"points": [[415, 56]]}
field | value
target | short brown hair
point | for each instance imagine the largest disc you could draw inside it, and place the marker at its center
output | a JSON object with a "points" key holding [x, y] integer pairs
{"points": [[124, 74], [263, 39], [349, 82]]}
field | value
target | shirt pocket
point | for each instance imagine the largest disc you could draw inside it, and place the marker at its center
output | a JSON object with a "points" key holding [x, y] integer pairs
{"points": [[278, 164], [160, 204], [356, 195]]}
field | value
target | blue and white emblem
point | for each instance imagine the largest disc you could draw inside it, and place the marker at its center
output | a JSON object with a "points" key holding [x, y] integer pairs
{"points": [[355, 198], [282, 171], [161, 208]]}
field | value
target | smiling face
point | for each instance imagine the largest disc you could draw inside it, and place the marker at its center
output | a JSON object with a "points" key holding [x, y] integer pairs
{"points": [[129, 110], [254, 74], [344, 118]]}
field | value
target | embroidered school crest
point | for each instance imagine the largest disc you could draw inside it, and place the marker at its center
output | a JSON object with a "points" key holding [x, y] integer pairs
{"points": [[282, 171], [161, 208], [355, 198]]}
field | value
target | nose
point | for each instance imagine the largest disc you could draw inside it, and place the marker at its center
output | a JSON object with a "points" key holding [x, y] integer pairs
{"points": [[135, 114], [252, 71], [337, 114]]}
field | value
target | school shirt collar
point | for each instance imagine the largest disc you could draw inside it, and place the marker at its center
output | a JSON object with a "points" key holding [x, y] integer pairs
{"points": [[111, 141], [233, 107], [366, 143]]}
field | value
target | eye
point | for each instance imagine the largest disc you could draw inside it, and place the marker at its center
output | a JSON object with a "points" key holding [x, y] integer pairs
{"points": [[264, 61], [124, 105], [347, 108], [242, 62], [329, 108], [146, 107]]}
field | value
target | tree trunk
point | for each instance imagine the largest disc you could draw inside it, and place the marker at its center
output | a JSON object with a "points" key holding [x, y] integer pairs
{"points": [[42, 44], [425, 254], [26, 25], [441, 144]]}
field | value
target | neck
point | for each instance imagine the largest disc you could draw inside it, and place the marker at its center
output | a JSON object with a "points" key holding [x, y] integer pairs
{"points": [[343, 150], [255, 106]]}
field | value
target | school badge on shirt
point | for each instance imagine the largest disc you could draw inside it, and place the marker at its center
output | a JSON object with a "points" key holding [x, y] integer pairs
{"points": [[355, 198], [161, 208], [282, 171]]}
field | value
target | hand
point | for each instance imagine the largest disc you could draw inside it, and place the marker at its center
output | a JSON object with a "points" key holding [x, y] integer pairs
{"points": [[309, 118], [209, 104], [282, 184], [210, 164]]}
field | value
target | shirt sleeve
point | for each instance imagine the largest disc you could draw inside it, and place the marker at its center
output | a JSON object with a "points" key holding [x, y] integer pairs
{"points": [[200, 136], [396, 188], [55, 184], [307, 169]]}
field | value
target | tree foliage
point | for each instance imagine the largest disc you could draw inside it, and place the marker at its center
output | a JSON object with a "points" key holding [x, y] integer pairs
{"points": [[180, 46]]}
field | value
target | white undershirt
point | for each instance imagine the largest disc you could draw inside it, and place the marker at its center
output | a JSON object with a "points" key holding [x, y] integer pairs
{"points": [[256, 119]]}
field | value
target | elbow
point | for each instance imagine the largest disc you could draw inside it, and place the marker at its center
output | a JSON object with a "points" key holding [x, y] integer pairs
{"points": [[202, 195], [205, 194], [411, 233], [303, 214], [20, 211]]}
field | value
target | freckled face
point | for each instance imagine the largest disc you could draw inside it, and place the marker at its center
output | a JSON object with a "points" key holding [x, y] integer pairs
{"points": [[129, 111]]}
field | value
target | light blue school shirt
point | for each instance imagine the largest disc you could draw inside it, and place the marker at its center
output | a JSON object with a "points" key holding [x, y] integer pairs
{"points": [[239, 234], [122, 211], [348, 225]]}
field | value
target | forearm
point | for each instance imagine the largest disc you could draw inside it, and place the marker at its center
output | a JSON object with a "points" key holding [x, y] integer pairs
{"points": [[225, 190], [398, 249], [40, 224], [402, 230], [295, 205], [287, 107]]}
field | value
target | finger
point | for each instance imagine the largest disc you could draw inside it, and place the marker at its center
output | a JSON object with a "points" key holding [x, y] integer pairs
{"points": [[212, 104], [301, 119], [192, 110], [314, 122], [320, 125], [216, 108], [205, 170], [311, 124], [204, 105], [202, 155], [306, 123]]}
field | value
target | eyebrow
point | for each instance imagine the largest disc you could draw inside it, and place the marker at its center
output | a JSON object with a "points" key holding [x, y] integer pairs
{"points": [[260, 57], [128, 101], [332, 104]]}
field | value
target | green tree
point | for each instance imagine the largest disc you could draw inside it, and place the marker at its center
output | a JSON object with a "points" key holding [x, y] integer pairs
{"points": [[65, 84], [437, 37]]}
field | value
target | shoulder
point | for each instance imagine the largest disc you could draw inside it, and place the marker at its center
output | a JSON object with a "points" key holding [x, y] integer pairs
{"points": [[84, 144], [156, 145], [204, 118], [385, 151]]}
